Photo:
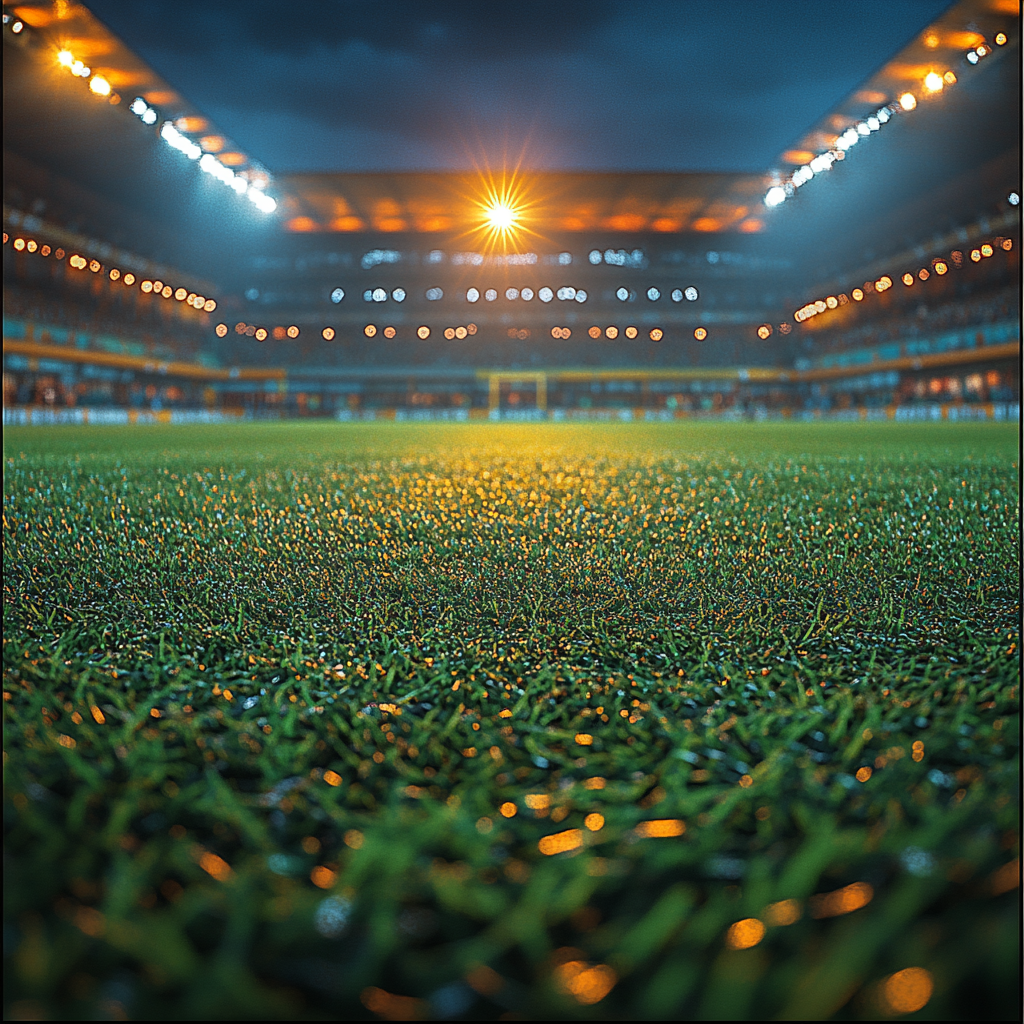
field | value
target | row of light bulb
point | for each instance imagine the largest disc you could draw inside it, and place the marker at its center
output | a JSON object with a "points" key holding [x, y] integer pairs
{"points": [[423, 332], [207, 161], [933, 83], [141, 109], [128, 279], [939, 266], [565, 294]]}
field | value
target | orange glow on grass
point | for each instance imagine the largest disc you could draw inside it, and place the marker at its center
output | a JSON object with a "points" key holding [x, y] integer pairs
{"points": [[664, 828], [907, 991], [745, 934], [561, 842], [842, 901]]}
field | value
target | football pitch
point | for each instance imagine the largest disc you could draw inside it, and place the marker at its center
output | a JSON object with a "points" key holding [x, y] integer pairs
{"points": [[378, 721]]}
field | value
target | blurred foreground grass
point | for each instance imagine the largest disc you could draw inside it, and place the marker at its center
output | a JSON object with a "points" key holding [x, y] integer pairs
{"points": [[329, 721]]}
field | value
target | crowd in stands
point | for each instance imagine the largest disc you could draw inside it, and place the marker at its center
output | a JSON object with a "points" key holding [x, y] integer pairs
{"points": [[77, 320], [924, 320]]}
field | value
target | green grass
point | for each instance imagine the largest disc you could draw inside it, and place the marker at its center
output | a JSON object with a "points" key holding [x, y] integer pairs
{"points": [[739, 617]]}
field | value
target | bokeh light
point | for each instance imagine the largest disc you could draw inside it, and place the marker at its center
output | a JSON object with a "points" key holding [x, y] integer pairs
{"points": [[907, 991]]}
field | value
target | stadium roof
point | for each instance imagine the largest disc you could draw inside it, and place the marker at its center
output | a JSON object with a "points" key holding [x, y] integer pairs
{"points": [[948, 162], [554, 202]]}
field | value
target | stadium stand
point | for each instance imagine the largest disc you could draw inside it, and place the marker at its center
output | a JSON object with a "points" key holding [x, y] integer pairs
{"points": [[136, 286]]}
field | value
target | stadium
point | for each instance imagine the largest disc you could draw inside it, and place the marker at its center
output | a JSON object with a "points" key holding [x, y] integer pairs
{"points": [[511, 592]]}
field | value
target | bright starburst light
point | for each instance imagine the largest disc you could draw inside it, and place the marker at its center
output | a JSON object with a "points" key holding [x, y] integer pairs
{"points": [[501, 217]]}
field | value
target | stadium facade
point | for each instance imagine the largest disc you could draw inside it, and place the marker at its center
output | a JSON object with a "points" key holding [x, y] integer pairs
{"points": [[154, 271]]}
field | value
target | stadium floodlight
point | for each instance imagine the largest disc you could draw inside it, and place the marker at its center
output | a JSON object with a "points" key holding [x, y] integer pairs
{"points": [[526, 294], [908, 101], [873, 124], [337, 295], [511, 294], [691, 294], [972, 57], [595, 256], [545, 294], [1013, 199], [502, 217], [100, 85], [653, 294], [472, 295], [775, 196], [433, 294], [398, 295], [177, 141], [66, 58], [933, 82], [623, 294], [491, 294], [567, 293], [379, 295], [581, 295]]}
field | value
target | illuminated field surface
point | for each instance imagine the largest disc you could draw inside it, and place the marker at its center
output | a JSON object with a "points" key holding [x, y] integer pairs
{"points": [[680, 721]]}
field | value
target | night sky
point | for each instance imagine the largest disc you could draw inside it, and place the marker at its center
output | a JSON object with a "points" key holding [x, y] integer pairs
{"points": [[351, 85]]}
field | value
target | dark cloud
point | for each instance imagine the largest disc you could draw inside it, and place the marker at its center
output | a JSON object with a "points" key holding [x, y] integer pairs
{"points": [[497, 28], [406, 85]]}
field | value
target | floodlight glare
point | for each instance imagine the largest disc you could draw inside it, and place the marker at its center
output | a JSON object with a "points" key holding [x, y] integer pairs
{"points": [[775, 196], [933, 82], [908, 101], [501, 217]]}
